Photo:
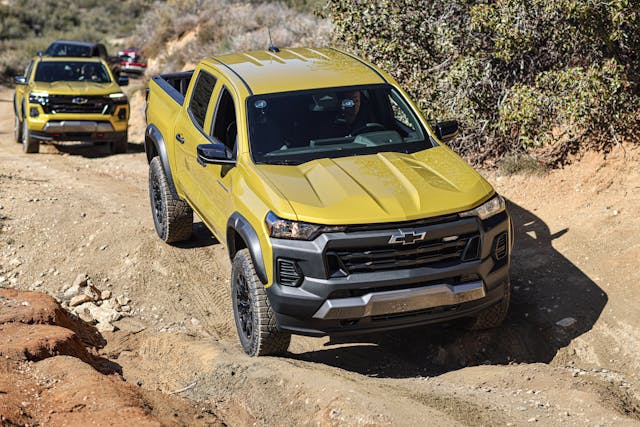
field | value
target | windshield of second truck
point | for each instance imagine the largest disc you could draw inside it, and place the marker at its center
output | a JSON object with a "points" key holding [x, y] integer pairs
{"points": [[72, 72]]}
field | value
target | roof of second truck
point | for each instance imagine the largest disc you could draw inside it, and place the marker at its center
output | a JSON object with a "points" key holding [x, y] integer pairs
{"points": [[264, 71]]}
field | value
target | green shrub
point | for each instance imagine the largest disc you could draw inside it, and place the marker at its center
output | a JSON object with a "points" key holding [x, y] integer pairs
{"points": [[543, 76]]}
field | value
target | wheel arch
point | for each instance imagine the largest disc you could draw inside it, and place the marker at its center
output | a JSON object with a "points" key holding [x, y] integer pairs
{"points": [[241, 235], [154, 146]]}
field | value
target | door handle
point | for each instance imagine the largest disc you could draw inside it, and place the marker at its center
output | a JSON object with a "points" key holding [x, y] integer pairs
{"points": [[180, 138]]}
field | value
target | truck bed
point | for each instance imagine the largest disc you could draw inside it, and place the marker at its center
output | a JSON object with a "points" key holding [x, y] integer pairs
{"points": [[174, 84]]}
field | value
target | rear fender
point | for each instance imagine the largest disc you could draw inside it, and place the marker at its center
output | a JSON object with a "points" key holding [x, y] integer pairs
{"points": [[154, 145]]}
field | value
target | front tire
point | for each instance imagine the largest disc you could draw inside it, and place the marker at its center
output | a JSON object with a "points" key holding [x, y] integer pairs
{"points": [[120, 146], [17, 130], [255, 319], [172, 217], [29, 144], [492, 317]]}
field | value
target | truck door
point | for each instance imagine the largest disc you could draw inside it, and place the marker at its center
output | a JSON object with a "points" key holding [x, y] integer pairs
{"points": [[189, 132], [216, 180]]}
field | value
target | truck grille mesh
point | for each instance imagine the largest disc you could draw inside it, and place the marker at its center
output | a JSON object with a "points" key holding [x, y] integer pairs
{"points": [[430, 253], [64, 104]]}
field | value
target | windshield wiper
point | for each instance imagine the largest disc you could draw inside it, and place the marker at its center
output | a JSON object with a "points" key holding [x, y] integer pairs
{"points": [[282, 162]]}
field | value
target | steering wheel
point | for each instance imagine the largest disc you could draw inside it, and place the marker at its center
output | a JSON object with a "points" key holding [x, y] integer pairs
{"points": [[369, 127]]}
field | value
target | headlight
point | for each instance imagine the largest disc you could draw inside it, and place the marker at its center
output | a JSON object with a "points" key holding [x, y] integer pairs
{"points": [[297, 230], [117, 95], [39, 97], [488, 209]]}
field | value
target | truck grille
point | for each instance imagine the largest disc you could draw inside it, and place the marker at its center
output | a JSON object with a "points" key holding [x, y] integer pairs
{"points": [[430, 253], [83, 104]]}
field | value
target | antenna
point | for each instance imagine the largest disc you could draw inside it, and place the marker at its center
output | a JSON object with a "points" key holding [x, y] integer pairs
{"points": [[272, 47]]}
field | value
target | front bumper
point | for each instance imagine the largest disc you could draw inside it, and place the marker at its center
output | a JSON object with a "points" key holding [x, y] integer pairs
{"points": [[78, 130], [330, 303]]}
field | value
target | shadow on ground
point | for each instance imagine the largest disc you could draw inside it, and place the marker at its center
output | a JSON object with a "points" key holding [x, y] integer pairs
{"points": [[97, 150], [546, 287], [200, 238]]}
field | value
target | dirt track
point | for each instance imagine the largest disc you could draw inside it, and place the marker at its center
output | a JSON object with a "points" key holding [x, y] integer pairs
{"points": [[71, 210]]}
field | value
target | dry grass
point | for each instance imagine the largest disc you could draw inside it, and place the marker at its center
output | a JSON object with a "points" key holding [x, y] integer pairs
{"points": [[180, 33]]}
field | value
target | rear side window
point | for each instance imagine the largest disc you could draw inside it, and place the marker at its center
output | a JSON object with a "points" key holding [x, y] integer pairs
{"points": [[201, 96]]}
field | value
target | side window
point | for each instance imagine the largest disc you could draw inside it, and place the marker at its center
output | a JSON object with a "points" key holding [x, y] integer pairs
{"points": [[224, 127], [200, 97], [406, 122]]}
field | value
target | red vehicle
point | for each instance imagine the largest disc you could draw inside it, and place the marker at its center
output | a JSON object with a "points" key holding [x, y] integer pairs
{"points": [[132, 61]]}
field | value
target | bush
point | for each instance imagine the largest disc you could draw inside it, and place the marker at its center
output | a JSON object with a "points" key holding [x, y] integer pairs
{"points": [[543, 76]]}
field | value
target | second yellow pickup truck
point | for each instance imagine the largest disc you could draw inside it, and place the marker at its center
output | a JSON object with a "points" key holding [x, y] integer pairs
{"points": [[342, 209], [70, 99]]}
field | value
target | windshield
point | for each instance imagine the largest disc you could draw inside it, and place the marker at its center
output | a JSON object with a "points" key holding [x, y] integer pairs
{"points": [[297, 127], [63, 49], [72, 72]]}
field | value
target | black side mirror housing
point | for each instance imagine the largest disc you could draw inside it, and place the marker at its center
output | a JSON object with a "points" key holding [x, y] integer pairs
{"points": [[213, 154], [123, 81], [20, 80], [446, 131]]}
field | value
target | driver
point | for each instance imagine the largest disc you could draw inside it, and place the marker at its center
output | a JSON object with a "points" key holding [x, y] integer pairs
{"points": [[354, 115], [89, 72]]}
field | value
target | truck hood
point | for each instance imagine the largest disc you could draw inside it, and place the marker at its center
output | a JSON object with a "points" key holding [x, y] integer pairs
{"points": [[77, 88], [383, 187]]}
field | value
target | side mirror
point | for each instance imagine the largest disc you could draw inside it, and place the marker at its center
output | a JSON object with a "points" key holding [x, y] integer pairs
{"points": [[213, 154], [123, 81], [446, 131], [39, 53], [20, 80]]}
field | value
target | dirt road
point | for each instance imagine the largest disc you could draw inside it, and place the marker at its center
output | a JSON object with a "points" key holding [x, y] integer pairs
{"points": [[568, 352]]}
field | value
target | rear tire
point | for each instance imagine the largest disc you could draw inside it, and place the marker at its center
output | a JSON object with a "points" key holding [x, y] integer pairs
{"points": [[255, 319], [29, 144], [119, 146], [17, 130], [172, 217], [492, 317]]}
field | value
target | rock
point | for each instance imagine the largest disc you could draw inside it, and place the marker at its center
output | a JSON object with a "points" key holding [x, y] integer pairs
{"points": [[566, 322], [81, 280], [104, 313], [82, 311], [125, 308], [122, 300], [105, 327], [38, 283], [80, 299], [105, 295], [70, 292], [15, 262]]}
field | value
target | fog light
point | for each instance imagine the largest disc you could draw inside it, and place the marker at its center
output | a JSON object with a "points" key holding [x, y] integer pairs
{"points": [[500, 248], [33, 112], [122, 114], [288, 273]]}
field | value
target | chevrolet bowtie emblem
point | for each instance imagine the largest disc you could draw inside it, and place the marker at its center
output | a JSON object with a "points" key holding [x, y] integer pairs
{"points": [[407, 238], [79, 100]]}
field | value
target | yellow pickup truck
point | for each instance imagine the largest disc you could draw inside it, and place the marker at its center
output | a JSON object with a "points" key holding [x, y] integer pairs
{"points": [[70, 99], [342, 209]]}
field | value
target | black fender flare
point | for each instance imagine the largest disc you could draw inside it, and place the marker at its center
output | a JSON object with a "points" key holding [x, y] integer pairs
{"points": [[154, 145], [243, 228]]}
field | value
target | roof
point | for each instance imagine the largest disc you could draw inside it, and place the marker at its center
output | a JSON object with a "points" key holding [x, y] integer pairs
{"points": [[76, 43], [70, 59], [297, 69]]}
